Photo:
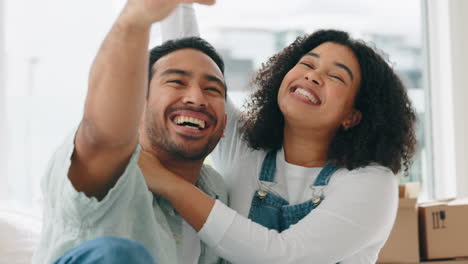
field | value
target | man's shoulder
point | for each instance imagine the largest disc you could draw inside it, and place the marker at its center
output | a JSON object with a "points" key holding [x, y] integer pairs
{"points": [[212, 183]]}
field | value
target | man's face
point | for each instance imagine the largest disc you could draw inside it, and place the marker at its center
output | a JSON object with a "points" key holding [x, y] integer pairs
{"points": [[185, 116]]}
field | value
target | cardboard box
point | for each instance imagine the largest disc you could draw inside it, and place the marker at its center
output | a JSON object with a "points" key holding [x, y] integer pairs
{"points": [[444, 229], [446, 261], [452, 261], [402, 245]]}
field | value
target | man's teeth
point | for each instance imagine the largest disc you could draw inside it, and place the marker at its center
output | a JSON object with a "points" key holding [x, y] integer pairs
{"points": [[190, 120], [192, 127], [308, 95]]}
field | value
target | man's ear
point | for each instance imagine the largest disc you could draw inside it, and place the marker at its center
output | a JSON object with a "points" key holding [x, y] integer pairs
{"points": [[352, 120], [225, 124]]}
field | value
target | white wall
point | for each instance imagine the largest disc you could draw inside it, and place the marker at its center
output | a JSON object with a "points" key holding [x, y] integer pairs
{"points": [[459, 31], [448, 60], [3, 129]]}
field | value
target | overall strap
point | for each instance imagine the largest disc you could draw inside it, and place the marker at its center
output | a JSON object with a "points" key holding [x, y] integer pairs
{"points": [[325, 174], [268, 167]]}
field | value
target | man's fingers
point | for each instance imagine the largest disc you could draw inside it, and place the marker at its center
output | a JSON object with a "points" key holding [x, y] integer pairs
{"points": [[202, 2]]}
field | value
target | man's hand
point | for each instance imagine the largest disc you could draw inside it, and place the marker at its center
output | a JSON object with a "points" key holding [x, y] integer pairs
{"points": [[147, 12]]}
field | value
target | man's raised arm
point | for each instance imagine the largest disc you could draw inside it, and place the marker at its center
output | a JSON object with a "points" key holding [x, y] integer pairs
{"points": [[108, 133]]}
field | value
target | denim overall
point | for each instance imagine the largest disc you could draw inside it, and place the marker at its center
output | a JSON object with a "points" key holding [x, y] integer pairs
{"points": [[274, 212]]}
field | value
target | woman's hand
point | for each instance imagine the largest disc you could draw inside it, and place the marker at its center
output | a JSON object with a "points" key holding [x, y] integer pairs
{"points": [[159, 179], [194, 205]]}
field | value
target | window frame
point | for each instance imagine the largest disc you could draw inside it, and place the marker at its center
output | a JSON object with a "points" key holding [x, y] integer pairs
{"points": [[4, 190], [447, 59]]}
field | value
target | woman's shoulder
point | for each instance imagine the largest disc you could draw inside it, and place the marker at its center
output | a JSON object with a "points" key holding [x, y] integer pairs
{"points": [[370, 176], [372, 170], [373, 187]]}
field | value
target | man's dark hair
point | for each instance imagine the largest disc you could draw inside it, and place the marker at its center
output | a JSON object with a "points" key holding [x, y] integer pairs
{"points": [[385, 134], [183, 43]]}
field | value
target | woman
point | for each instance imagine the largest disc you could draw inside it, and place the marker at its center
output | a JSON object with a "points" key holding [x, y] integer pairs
{"points": [[311, 164]]}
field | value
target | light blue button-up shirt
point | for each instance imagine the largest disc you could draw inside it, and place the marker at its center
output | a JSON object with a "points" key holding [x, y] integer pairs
{"points": [[129, 210]]}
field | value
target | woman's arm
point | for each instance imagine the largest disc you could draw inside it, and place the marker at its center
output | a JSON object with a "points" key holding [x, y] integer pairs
{"points": [[169, 185], [181, 23], [358, 212]]}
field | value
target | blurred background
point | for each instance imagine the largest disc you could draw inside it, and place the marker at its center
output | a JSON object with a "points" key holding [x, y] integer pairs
{"points": [[47, 46]]}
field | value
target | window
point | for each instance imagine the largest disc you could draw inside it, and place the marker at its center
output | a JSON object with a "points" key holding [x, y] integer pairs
{"points": [[247, 33], [49, 47]]}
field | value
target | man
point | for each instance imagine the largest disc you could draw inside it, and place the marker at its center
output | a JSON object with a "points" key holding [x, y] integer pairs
{"points": [[98, 203]]}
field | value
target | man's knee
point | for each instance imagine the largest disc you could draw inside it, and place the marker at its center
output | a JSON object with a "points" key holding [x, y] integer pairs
{"points": [[122, 248], [108, 250]]}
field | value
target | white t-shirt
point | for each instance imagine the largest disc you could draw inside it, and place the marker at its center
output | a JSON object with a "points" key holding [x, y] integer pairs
{"points": [[350, 226]]}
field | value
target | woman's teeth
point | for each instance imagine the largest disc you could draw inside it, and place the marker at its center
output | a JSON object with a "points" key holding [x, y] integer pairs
{"points": [[307, 95]]}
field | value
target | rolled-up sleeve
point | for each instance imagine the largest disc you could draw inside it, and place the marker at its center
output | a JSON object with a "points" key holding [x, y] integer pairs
{"points": [[182, 22]]}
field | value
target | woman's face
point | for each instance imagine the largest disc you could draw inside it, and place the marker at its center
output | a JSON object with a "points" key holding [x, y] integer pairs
{"points": [[319, 91]]}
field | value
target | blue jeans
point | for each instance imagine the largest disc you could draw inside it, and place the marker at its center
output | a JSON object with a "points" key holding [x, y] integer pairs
{"points": [[107, 250]]}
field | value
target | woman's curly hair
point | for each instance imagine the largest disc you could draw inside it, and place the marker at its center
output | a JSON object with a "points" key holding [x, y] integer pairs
{"points": [[385, 134]]}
